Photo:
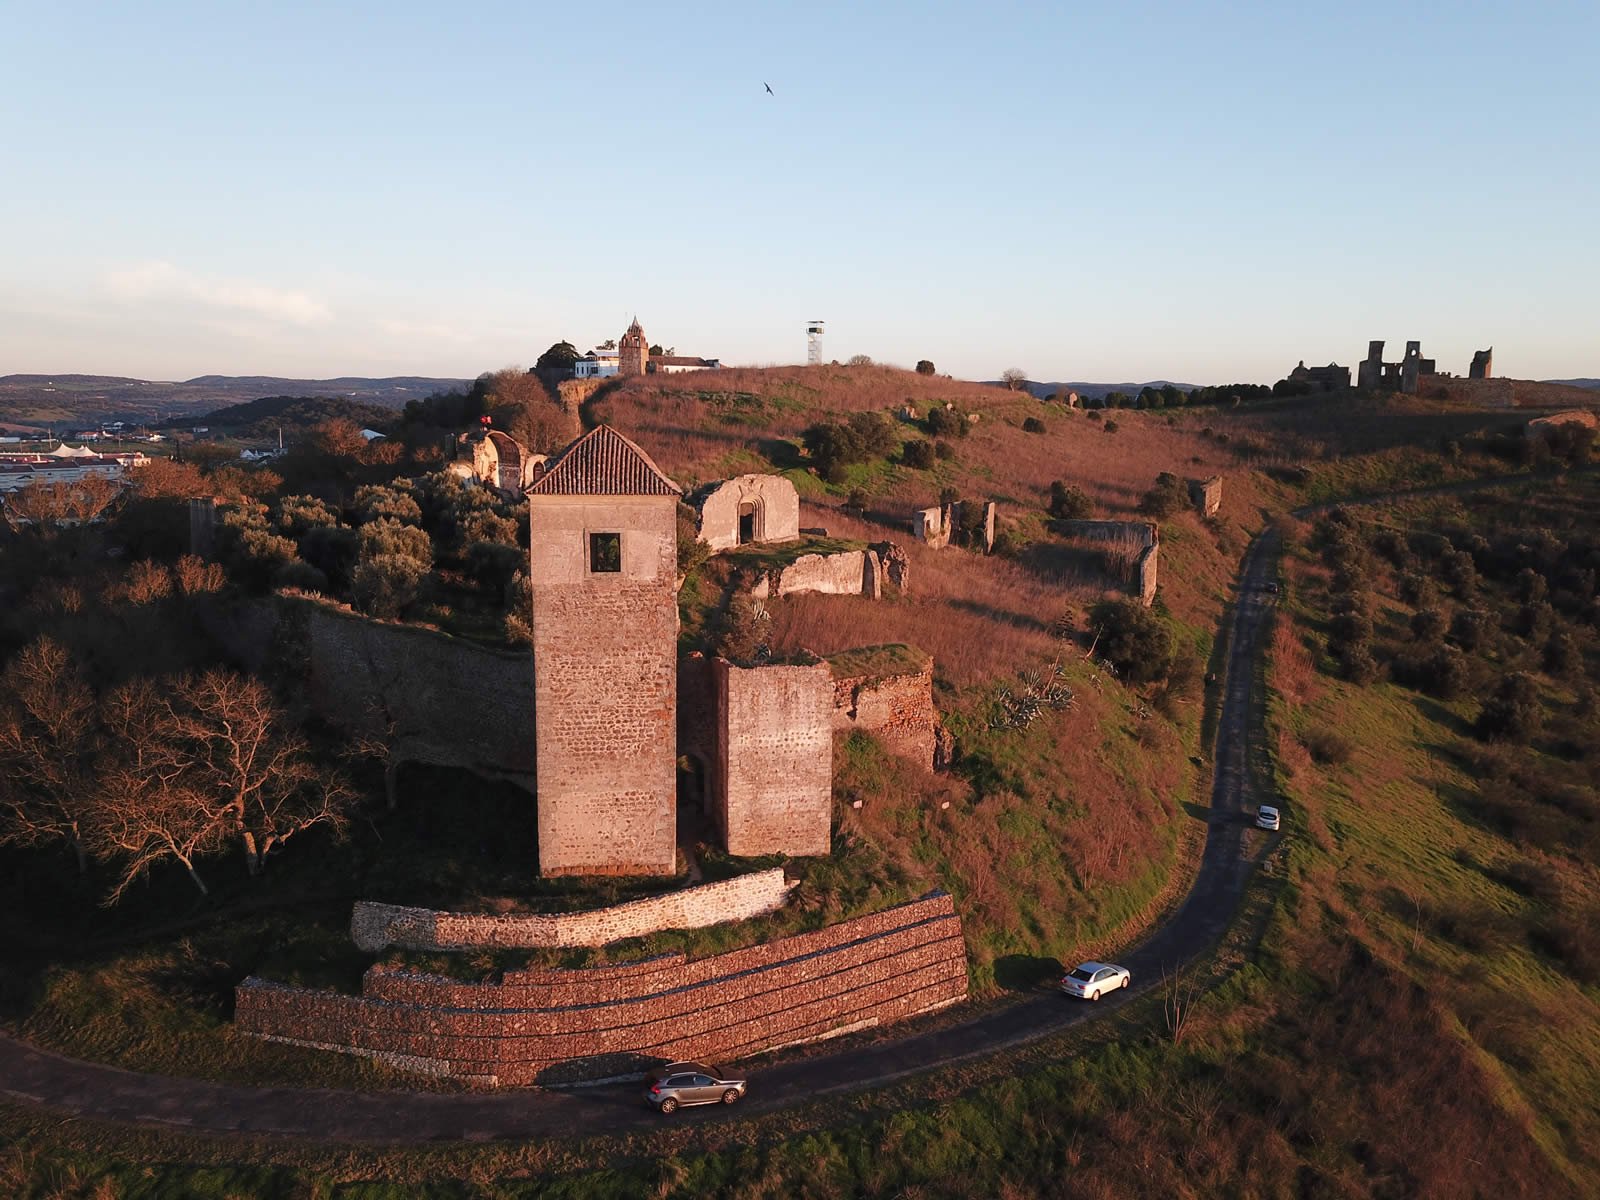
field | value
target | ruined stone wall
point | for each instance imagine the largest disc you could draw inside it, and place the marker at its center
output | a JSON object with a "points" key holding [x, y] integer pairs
{"points": [[1143, 535], [848, 573], [897, 709], [435, 698], [1206, 495], [605, 684], [374, 927], [773, 786], [776, 515], [538, 1025]]}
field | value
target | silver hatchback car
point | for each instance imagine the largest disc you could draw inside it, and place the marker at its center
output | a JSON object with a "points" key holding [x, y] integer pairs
{"points": [[675, 1085]]}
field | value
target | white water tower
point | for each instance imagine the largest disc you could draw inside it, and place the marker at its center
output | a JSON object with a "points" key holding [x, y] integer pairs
{"points": [[813, 343]]}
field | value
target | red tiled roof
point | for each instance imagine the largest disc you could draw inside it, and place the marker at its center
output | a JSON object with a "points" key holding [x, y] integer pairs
{"points": [[603, 463]]}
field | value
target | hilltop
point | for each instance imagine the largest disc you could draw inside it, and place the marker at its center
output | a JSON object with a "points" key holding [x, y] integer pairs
{"points": [[45, 400]]}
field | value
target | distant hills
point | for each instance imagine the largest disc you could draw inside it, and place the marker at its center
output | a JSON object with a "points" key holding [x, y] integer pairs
{"points": [[39, 401], [261, 418], [1094, 391], [1583, 383]]}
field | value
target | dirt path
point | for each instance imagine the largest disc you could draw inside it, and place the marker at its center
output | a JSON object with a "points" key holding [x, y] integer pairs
{"points": [[88, 1089]]}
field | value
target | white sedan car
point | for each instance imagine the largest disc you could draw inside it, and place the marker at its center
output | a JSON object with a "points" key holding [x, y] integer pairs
{"points": [[1091, 980], [1267, 817]]}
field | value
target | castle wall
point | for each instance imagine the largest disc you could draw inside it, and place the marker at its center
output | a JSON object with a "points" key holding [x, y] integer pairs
{"points": [[773, 786], [897, 709], [1142, 535], [537, 1025], [434, 698], [374, 927], [605, 684]]}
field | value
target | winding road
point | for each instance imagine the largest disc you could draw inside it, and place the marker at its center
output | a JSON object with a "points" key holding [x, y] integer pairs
{"points": [[36, 1077]]}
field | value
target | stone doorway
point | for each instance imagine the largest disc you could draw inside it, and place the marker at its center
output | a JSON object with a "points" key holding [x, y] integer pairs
{"points": [[749, 523]]}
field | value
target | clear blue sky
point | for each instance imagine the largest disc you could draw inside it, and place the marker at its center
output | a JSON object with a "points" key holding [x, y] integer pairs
{"points": [[1107, 192]]}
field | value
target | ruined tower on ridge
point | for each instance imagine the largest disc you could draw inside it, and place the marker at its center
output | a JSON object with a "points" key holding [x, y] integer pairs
{"points": [[633, 352], [1482, 364], [603, 562]]}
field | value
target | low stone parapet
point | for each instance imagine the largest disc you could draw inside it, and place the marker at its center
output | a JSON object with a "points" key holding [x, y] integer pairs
{"points": [[374, 927]]}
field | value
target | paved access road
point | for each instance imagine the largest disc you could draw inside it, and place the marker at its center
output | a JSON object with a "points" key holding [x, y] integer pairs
{"points": [[89, 1089]]}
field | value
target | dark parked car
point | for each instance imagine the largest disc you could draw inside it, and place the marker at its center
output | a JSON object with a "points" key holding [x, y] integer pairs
{"points": [[677, 1084]]}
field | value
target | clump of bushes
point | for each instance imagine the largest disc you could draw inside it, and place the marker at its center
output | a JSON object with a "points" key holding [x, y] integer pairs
{"points": [[1136, 640], [1069, 503], [834, 446], [1169, 495]]}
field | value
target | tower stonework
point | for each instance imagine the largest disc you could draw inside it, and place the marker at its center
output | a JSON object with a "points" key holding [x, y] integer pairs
{"points": [[633, 352], [603, 565]]}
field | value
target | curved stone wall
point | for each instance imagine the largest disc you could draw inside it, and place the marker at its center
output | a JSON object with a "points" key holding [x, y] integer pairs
{"points": [[543, 1025], [374, 927]]}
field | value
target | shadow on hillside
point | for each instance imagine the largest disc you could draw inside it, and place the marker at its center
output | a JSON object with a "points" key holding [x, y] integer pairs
{"points": [[1005, 616], [1025, 972]]}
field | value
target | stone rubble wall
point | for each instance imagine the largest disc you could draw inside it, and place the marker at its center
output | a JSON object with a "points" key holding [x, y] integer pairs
{"points": [[374, 927], [539, 1025], [896, 709], [436, 699], [1143, 535], [773, 786], [848, 573]]}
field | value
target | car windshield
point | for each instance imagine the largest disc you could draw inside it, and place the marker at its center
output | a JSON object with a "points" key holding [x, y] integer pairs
{"points": [[1080, 974]]}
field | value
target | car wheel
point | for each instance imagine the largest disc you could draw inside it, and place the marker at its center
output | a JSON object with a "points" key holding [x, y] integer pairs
{"points": [[730, 1096], [1094, 995], [1126, 980], [669, 1105]]}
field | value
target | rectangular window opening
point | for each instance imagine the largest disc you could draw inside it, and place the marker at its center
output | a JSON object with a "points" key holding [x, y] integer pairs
{"points": [[605, 552]]}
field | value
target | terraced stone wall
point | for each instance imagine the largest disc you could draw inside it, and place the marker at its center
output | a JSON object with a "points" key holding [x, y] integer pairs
{"points": [[545, 1025]]}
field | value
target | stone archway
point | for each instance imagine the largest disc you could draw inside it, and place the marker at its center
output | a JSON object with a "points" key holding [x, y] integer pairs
{"points": [[752, 523]]}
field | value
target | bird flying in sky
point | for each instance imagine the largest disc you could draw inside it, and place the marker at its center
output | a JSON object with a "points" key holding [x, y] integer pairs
{"points": [[770, 92]]}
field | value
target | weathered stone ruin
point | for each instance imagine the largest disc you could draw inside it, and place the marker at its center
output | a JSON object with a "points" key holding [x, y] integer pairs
{"points": [[1141, 539], [1482, 366], [747, 510], [1413, 372], [887, 691], [1206, 495], [936, 526], [1330, 378], [496, 460]]}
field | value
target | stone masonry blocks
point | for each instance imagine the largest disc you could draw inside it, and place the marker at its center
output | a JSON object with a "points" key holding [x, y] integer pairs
{"points": [[870, 970]]}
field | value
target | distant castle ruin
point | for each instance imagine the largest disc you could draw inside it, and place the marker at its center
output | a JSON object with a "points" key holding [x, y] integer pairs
{"points": [[1407, 375]]}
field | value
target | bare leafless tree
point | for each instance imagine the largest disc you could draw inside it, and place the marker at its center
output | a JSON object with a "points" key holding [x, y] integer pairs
{"points": [[48, 732], [48, 507], [246, 756], [150, 804], [1178, 997]]}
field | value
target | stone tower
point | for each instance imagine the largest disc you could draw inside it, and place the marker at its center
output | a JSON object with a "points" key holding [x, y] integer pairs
{"points": [[632, 351], [1482, 365], [603, 561]]}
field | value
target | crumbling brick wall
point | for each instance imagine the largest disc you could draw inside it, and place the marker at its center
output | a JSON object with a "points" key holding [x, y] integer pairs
{"points": [[895, 706], [536, 1025], [374, 927]]}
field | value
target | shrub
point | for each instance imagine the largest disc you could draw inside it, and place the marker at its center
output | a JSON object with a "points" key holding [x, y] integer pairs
{"points": [[1459, 571], [943, 451], [1428, 625], [1471, 628], [1134, 639], [1439, 670], [1416, 589], [492, 565], [1512, 713], [1357, 664], [1560, 654], [946, 422], [917, 454], [1167, 497], [1033, 425], [385, 585], [1069, 503], [388, 538], [858, 499], [377, 501], [332, 550], [924, 367], [299, 514], [876, 432], [300, 575], [1111, 427], [1328, 747]]}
